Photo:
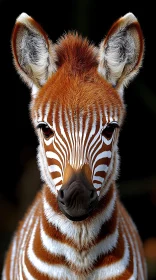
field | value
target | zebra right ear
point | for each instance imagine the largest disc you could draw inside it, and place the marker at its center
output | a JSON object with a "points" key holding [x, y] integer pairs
{"points": [[121, 52], [33, 53]]}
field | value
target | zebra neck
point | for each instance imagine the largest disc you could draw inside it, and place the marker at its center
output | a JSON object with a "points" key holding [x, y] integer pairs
{"points": [[103, 222]]}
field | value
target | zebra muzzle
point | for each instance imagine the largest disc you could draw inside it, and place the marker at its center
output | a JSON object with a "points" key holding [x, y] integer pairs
{"points": [[77, 198]]}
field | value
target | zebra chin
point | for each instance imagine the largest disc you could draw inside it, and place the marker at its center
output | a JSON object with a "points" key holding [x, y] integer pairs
{"points": [[77, 199], [76, 218]]}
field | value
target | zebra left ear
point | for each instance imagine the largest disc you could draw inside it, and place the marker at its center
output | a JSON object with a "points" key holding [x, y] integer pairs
{"points": [[121, 52], [33, 52]]}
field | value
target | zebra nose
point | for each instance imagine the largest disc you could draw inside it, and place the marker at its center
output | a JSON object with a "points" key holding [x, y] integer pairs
{"points": [[77, 201]]}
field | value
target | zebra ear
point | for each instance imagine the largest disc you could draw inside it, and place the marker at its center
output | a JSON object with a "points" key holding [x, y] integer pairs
{"points": [[33, 53], [121, 52]]}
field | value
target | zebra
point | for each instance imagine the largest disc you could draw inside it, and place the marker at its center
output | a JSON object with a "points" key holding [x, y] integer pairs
{"points": [[77, 228]]}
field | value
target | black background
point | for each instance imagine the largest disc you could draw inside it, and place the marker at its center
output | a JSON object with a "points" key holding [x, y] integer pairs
{"points": [[19, 172]]}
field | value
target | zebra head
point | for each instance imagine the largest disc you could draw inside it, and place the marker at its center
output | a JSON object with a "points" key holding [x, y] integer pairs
{"points": [[77, 106]]}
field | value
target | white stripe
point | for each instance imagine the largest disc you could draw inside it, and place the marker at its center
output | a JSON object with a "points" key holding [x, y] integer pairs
{"points": [[61, 144], [110, 114], [115, 269], [55, 271], [96, 185], [26, 228], [98, 192], [80, 138], [46, 112], [58, 187], [91, 133], [106, 245], [106, 141], [54, 168], [59, 248], [134, 275], [42, 163], [26, 272], [94, 150], [49, 141], [106, 114], [50, 154], [111, 165], [60, 152], [12, 259], [98, 178], [57, 135], [63, 131], [85, 130], [116, 114], [70, 134], [96, 156], [39, 114], [137, 251], [102, 155], [73, 141], [101, 167], [21, 241], [73, 256], [57, 180]]}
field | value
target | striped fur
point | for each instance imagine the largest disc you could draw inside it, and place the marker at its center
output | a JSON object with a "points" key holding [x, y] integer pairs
{"points": [[77, 110]]}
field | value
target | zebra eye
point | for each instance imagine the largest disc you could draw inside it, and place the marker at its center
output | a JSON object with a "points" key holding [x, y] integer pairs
{"points": [[109, 129], [46, 130]]}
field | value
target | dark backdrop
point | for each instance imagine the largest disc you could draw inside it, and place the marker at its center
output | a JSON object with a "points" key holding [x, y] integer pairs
{"points": [[19, 176]]}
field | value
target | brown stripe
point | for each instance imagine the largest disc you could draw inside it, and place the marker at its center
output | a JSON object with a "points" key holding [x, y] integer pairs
{"points": [[129, 269], [21, 225], [33, 270], [111, 175], [18, 246], [42, 253], [134, 235], [55, 234], [23, 276], [108, 228], [115, 255]]}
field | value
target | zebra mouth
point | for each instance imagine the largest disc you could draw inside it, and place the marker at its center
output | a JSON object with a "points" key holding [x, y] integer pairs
{"points": [[76, 216], [74, 219]]}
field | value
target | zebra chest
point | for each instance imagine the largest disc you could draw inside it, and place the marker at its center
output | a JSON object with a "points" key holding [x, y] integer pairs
{"points": [[74, 256], [71, 260]]}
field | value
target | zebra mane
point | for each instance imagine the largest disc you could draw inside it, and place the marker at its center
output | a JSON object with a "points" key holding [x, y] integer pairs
{"points": [[78, 54]]}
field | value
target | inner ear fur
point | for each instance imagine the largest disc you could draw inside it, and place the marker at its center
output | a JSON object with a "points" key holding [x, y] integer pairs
{"points": [[121, 52]]}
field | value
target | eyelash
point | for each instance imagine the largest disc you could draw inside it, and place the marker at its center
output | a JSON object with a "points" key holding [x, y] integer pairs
{"points": [[46, 130], [109, 129]]}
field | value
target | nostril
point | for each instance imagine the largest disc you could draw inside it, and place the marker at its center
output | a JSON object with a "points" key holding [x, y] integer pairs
{"points": [[61, 194], [61, 197], [93, 196]]}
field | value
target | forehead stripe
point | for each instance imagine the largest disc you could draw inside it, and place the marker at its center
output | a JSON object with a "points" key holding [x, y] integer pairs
{"points": [[46, 112]]}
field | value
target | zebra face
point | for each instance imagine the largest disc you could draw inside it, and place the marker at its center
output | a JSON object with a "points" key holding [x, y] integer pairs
{"points": [[77, 105], [76, 154]]}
